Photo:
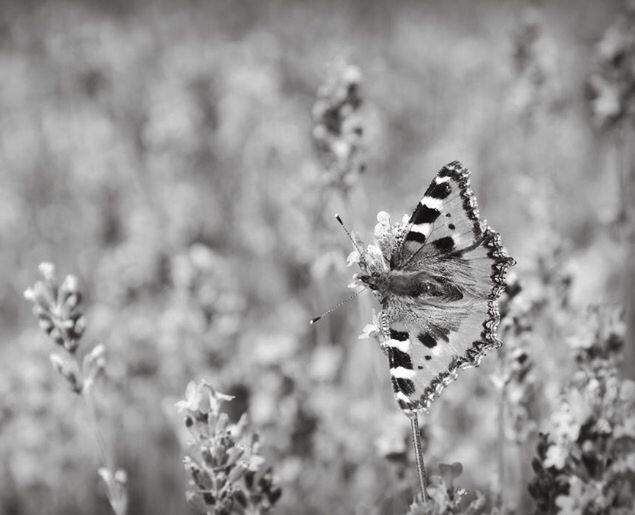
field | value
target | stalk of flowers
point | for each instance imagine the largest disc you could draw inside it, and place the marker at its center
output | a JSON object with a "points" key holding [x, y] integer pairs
{"points": [[528, 67], [611, 94], [338, 140], [338, 128], [514, 379], [517, 379], [58, 308], [228, 475], [612, 84], [202, 320], [586, 463]]}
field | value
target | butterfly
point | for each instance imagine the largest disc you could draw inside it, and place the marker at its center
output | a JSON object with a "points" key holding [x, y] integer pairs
{"points": [[438, 276]]}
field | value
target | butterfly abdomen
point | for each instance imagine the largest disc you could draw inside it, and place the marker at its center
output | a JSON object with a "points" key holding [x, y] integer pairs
{"points": [[405, 284], [417, 284]]}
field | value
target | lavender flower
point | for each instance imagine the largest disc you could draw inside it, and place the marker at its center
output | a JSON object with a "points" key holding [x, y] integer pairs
{"points": [[59, 312], [586, 463], [445, 497], [58, 307], [611, 86], [228, 475], [337, 128], [60, 315]]}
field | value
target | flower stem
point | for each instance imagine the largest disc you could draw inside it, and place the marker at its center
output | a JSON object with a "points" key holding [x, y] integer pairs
{"points": [[501, 450], [416, 439]]}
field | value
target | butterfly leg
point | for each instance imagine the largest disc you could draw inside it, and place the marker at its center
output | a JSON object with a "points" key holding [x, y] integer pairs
{"points": [[384, 328]]}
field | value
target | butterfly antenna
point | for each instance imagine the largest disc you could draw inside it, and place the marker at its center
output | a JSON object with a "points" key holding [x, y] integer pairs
{"points": [[350, 236], [337, 306]]}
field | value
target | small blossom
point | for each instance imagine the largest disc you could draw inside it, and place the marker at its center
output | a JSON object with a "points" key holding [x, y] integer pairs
{"points": [[47, 270], [556, 456], [372, 330], [58, 308], [444, 497], [369, 331], [353, 258], [93, 365], [117, 489], [383, 226], [69, 370]]}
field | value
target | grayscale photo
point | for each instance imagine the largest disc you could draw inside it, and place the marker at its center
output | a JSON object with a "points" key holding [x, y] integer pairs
{"points": [[352, 257]]}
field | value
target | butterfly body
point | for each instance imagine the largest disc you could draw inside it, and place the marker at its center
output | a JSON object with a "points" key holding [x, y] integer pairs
{"points": [[438, 277], [414, 284]]}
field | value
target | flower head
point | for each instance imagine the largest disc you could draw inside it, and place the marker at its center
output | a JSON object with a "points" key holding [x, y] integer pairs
{"points": [[58, 307]]}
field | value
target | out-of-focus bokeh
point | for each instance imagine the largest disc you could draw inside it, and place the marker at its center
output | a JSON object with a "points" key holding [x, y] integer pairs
{"points": [[165, 152]]}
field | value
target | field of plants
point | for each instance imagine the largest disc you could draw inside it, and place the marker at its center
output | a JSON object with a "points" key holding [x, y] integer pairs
{"points": [[169, 176]]}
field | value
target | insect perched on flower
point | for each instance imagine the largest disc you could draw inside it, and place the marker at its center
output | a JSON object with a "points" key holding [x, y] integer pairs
{"points": [[438, 276]]}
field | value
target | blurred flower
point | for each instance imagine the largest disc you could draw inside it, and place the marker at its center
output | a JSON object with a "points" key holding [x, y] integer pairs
{"points": [[116, 485], [444, 497], [338, 127], [372, 330], [353, 258], [516, 380], [58, 307], [533, 61], [60, 315], [579, 466], [611, 86]]}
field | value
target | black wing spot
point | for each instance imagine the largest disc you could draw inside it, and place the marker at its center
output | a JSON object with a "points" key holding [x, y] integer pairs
{"points": [[451, 226], [440, 333], [439, 191], [427, 339], [405, 385], [420, 367], [404, 405], [448, 215], [428, 358], [416, 237], [444, 244], [400, 336], [424, 215], [395, 385], [446, 171], [397, 358]]}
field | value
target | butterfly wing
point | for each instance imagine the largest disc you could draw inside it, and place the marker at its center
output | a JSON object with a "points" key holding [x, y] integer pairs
{"points": [[445, 219], [425, 354], [429, 339]]}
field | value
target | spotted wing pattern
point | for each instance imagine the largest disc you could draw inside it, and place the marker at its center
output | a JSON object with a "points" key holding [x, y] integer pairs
{"points": [[427, 339], [446, 218]]}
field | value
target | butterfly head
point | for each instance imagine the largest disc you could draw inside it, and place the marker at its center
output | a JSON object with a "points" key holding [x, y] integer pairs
{"points": [[374, 259], [376, 281]]}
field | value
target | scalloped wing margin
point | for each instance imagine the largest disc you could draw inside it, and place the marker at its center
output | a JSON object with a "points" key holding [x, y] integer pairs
{"points": [[417, 389]]}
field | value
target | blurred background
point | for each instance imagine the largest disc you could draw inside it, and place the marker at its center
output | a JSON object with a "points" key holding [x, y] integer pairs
{"points": [[173, 157]]}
